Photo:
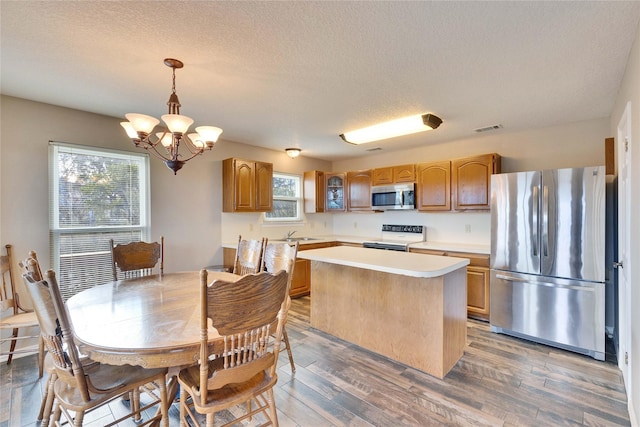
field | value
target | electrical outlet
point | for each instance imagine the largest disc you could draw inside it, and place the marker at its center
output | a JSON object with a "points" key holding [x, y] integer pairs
{"points": [[467, 228], [250, 227], [355, 224]]}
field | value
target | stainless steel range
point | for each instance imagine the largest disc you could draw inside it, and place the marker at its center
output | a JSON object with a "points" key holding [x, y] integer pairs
{"points": [[398, 237]]}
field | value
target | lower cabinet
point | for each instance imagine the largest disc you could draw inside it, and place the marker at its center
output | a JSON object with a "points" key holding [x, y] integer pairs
{"points": [[477, 281], [301, 282]]}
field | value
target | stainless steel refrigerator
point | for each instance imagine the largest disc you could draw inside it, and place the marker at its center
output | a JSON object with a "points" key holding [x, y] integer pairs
{"points": [[548, 257]]}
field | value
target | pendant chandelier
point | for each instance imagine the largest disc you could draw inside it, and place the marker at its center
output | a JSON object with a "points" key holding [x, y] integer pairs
{"points": [[166, 143]]}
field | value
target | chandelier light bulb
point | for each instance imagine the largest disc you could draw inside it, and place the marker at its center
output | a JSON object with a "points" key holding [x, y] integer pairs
{"points": [[140, 126]]}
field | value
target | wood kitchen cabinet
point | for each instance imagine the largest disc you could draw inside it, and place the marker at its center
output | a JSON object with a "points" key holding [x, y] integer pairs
{"points": [[477, 281], [394, 175], [359, 190], [434, 186], [314, 191], [471, 181], [247, 186], [335, 192]]}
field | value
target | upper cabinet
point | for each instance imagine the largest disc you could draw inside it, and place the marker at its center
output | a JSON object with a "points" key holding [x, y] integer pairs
{"points": [[434, 186], [335, 191], [247, 186], [314, 196], [394, 174], [359, 190], [471, 181]]}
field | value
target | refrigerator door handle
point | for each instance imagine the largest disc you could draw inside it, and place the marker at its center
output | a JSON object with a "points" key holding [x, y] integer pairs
{"points": [[549, 285], [545, 221], [536, 202]]}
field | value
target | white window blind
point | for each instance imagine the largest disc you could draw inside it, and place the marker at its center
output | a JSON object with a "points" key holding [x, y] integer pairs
{"points": [[95, 195]]}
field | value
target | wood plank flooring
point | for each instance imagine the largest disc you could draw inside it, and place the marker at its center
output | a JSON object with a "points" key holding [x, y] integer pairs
{"points": [[500, 381]]}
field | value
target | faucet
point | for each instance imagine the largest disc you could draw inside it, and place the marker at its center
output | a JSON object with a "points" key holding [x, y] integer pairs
{"points": [[290, 233]]}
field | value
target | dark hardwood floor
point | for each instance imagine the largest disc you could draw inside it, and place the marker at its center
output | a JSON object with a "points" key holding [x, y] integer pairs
{"points": [[500, 381]]}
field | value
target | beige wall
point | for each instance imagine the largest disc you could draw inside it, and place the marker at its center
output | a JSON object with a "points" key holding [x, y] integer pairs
{"points": [[567, 145], [630, 92], [185, 208]]}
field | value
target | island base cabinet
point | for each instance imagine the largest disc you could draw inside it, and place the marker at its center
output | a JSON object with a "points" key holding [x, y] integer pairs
{"points": [[478, 292], [421, 322]]}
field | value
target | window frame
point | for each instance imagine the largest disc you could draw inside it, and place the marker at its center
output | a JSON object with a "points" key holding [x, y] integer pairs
{"points": [[298, 199], [56, 231]]}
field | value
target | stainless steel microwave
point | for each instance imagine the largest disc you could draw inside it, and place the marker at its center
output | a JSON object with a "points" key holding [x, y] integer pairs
{"points": [[393, 197]]}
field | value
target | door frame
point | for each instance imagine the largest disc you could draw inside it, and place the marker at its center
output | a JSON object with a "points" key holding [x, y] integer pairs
{"points": [[623, 148]]}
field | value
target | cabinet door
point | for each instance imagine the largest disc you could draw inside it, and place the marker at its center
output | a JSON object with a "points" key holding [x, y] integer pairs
{"points": [[478, 292], [434, 186], [244, 183], [404, 173], [471, 180], [382, 176], [359, 194], [314, 191], [301, 281], [335, 192], [263, 187]]}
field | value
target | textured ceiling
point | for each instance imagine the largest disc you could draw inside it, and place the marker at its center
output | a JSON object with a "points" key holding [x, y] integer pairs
{"points": [[281, 74]]}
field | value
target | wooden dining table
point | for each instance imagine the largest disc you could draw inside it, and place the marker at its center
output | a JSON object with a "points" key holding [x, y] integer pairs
{"points": [[151, 321]]}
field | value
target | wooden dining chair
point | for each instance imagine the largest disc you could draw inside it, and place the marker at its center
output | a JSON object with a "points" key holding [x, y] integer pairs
{"points": [[248, 256], [83, 385], [136, 259], [31, 265], [14, 315], [240, 367], [282, 256]]}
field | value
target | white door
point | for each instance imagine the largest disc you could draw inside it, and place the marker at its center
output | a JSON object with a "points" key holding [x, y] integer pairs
{"points": [[624, 232]]}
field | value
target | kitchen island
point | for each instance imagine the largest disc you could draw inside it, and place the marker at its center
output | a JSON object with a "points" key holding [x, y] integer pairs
{"points": [[409, 307]]}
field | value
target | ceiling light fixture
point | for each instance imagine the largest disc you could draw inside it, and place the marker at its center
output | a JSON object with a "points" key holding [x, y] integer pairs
{"points": [[140, 129], [398, 127], [293, 152]]}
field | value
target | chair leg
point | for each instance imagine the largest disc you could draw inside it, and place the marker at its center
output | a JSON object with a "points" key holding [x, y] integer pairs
{"points": [[40, 356], [12, 348], [135, 405], [273, 415], [164, 402], [47, 401], [183, 406], [286, 343]]}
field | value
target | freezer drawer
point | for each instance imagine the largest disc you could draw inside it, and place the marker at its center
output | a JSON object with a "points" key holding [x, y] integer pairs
{"points": [[564, 313]]}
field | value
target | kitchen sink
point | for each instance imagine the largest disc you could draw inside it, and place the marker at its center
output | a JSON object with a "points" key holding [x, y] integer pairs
{"points": [[300, 239]]}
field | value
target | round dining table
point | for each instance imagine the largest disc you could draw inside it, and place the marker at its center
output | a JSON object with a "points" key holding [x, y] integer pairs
{"points": [[151, 321]]}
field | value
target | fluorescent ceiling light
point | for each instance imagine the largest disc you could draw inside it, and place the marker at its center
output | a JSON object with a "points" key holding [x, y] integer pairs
{"points": [[398, 127]]}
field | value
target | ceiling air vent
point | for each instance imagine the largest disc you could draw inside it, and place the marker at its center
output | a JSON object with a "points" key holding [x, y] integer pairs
{"points": [[374, 149], [488, 128]]}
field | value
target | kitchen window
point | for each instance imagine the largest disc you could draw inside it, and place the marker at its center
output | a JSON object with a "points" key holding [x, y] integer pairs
{"points": [[287, 198], [96, 194]]}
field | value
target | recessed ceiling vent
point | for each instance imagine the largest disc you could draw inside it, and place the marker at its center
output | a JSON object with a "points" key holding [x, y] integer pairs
{"points": [[488, 128], [374, 149]]}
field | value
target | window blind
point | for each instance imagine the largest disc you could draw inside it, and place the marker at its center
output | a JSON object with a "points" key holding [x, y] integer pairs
{"points": [[96, 194]]}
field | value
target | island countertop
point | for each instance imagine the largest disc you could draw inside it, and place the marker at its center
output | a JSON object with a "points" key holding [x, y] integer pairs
{"points": [[395, 262]]}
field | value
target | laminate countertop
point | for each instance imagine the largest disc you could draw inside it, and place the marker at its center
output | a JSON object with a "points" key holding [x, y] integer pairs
{"points": [[473, 248], [394, 262]]}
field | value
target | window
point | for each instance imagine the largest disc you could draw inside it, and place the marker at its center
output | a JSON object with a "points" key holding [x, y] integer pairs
{"points": [[287, 198], [95, 195]]}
